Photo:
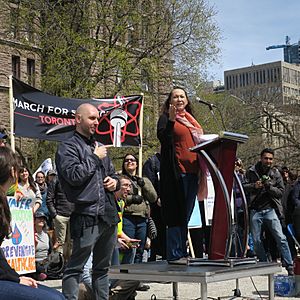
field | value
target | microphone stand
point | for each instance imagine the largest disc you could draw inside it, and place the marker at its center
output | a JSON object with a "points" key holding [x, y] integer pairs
{"points": [[221, 115], [211, 109]]}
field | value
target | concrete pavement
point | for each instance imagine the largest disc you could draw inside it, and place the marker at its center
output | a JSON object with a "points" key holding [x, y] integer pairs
{"points": [[191, 291]]}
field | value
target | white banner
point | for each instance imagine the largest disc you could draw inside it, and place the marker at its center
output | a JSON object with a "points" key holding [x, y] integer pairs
{"points": [[44, 167]]}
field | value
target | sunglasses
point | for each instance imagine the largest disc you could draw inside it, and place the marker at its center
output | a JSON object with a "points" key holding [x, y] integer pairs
{"points": [[129, 160]]}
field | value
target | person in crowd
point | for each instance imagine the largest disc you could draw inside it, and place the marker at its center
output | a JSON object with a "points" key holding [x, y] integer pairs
{"points": [[137, 208], [264, 186], [151, 170], [288, 179], [180, 169], [137, 211], [295, 208], [60, 210], [42, 246], [119, 289], [239, 207], [13, 286], [3, 137], [51, 175], [29, 189], [88, 179], [40, 180]]}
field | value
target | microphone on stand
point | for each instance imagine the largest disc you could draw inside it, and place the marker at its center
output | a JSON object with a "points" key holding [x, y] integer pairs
{"points": [[210, 105]]}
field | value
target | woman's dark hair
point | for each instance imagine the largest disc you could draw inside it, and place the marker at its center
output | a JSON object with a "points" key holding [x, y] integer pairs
{"points": [[30, 178], [8, 160], [165, 107], [40, 172], [124, 171]]}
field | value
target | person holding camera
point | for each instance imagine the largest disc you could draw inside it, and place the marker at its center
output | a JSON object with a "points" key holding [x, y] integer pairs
{"points": [[264, 186], [137, 207]]}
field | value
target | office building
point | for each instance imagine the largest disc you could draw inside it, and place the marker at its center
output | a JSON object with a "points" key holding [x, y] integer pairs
{"points": [[280, 78]]}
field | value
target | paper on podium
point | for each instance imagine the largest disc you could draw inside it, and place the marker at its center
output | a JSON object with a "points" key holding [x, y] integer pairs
{"points": [[208, 137]]}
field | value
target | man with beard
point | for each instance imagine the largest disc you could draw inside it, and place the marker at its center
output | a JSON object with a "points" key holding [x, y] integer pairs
{"points": [[264, 185]]}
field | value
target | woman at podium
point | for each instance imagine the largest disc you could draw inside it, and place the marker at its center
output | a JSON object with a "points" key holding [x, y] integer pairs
{"points": [[177, 131]]}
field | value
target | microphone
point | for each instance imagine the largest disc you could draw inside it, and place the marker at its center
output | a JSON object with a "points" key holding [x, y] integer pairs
{"points": [[210, 105]]}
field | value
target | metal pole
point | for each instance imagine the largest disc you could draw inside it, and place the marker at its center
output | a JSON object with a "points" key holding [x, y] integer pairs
{"points": [[11, 115]]}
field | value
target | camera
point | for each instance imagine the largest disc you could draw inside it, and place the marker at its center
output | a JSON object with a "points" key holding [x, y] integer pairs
{"points": [[264, 179]]}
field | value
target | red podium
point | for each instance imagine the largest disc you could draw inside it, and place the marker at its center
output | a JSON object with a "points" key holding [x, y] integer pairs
{"points": [[219, 154]]}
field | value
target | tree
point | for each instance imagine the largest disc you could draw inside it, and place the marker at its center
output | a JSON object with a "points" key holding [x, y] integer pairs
{"points": [[261, 114], [100, 48]]}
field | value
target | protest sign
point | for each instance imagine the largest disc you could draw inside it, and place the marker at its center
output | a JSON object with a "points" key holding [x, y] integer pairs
{"points": [[19, 250]]}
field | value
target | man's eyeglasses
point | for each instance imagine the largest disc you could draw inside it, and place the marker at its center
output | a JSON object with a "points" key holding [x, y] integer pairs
{"points": [[126, 185], [129, 160]]}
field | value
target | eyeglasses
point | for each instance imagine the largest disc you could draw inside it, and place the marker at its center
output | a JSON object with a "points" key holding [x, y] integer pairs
{"points": [[129, 160], [126, 185]]}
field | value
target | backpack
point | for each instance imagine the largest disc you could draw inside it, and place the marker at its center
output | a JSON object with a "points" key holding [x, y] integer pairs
{"points": [[55, 266]]}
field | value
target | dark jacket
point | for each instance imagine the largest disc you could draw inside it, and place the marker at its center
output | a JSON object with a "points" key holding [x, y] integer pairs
{"points": [[151, 170], [171, 186], [81, 174], [273, 193], [6, 272], [295, 199], [149, 196], [56, 200]]}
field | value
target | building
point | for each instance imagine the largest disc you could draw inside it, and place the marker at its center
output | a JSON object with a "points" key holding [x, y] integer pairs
{"points": [[278, 77], [120, 52], [20, 57], [275, 89], [292, 53]]}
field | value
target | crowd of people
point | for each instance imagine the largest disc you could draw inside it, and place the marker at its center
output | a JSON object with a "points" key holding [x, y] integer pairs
{"points": [[94, 216]]}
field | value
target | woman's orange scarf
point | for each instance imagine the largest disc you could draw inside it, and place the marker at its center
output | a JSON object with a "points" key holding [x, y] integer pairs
{"points": [[196, 131]]}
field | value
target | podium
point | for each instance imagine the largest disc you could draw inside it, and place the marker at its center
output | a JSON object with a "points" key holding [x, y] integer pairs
{"points": [[219, 154]]}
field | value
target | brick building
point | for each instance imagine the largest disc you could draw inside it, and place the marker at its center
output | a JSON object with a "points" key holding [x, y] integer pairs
{"points": [[21, 56]]}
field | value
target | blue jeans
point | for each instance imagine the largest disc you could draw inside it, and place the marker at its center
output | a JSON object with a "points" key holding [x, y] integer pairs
{"points": [[269, 218], [177, 235], [100, 239], [16, 291], [136, 228]]}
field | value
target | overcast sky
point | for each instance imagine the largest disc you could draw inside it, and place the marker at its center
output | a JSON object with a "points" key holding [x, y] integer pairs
{"points": [[249, 26]]}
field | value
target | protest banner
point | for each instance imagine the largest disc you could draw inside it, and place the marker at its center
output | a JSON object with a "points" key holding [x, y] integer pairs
{"points": [[46, 117], [45, 166]]}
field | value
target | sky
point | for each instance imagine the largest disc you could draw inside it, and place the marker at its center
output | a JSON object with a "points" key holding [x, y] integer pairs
{"points": [[249, 26]]}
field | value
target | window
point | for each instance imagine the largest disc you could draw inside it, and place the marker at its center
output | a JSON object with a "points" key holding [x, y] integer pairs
{"points": [[29, 33], [16, 70], [31, 71], [14, 22]]}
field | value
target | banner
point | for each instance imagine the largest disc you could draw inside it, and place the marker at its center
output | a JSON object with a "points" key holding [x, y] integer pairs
{"points": [[46, 117], [19, 250], [45, 166]]}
